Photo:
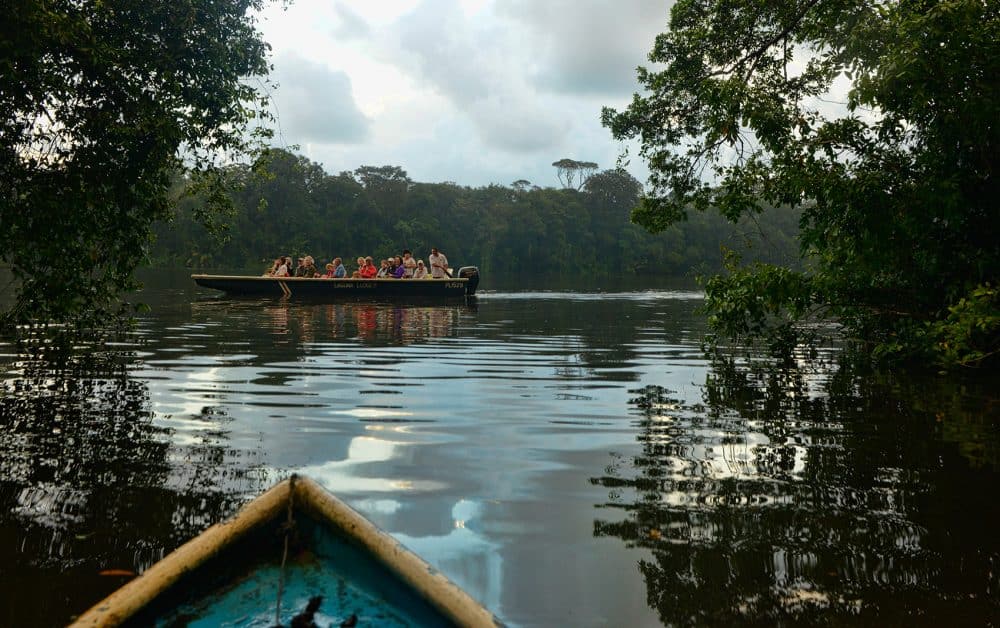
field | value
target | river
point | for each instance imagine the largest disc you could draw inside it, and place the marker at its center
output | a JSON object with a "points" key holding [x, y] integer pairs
{"points": [[569, 458]]}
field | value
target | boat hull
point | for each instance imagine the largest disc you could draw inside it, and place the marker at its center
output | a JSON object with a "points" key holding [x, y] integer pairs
{"points": [[313, 544], [339, 289]]}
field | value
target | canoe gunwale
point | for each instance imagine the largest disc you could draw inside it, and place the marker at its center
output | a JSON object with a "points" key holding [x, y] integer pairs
{"points": [[312, 499]]}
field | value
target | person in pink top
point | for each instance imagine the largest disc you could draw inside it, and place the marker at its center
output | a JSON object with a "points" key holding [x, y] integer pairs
{"points": [[409, 264]]}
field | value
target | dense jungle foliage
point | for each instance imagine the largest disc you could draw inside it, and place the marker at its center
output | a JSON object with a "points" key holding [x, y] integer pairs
{"points": [[881, 121], [289, 205], [100, 103]]}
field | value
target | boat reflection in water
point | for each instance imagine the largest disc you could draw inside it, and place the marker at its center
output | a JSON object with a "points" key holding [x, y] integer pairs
{"points": [[567, 459], [395, 323], [384, 324]]}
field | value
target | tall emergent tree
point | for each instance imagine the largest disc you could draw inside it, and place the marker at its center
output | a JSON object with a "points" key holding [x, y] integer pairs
{"points": [[101, 102], [898, 183], [568, 170]]}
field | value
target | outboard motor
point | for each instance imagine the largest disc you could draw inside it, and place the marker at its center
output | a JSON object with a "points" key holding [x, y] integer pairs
{"points": [[472, 274]]}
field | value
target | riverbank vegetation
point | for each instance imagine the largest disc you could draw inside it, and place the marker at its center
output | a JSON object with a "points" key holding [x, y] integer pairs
{"points": [[880, 121], [287, 204], [100, 104]]}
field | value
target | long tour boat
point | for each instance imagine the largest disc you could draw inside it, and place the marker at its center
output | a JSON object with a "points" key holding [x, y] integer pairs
{"points": [[462, 284]]}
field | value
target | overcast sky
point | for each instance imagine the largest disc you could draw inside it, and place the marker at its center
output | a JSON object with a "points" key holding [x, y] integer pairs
{"points": [[470, 91]]}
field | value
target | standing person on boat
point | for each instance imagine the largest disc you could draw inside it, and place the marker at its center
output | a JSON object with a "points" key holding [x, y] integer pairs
{"points": [[409, 264], [421, 270], [439, 264]]}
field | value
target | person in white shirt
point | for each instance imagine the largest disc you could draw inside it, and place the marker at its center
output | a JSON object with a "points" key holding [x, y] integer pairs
{"points": [[283, 269], [421, 271], [439, 264]]}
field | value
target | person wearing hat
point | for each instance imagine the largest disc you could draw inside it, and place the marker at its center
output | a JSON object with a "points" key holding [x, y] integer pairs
{"points": [[421, 271]]}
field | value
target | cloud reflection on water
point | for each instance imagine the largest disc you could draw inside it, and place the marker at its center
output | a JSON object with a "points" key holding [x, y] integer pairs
{"points": [[497, 441]]}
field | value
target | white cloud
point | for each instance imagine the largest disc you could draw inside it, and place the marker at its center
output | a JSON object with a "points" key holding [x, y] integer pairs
{"points": [[348, 24], [471, 62], [587, 46], [471, 91], [315, 104]]}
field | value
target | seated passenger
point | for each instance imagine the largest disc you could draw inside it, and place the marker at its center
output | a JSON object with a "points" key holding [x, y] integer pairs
{"points": [[283, 266], [274, 267], [339, 272], [421, 271], [383, 270], [368, 271], [399, 269], [329, 271], [308, 268]]}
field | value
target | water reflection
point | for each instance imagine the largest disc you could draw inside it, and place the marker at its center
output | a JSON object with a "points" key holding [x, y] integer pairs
{"points": [[481, 437], [84, 466], [465, 552], [290, 322], [347, 475], [805, 495]]}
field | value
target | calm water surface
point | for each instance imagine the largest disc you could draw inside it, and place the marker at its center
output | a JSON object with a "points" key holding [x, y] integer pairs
{"points": [[569, 459]]}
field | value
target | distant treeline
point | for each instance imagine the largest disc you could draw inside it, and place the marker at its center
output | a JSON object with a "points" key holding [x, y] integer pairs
{"points": [[289, 205]]}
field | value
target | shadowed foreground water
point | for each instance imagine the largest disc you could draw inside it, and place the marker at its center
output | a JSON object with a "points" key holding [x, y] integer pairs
{"points": [[569, 459]]}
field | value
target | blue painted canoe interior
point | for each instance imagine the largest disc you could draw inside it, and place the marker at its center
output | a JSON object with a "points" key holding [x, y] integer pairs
{"points": [[319, 563]]}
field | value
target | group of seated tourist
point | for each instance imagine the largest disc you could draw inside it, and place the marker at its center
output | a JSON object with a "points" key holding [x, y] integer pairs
{"points": [[403, 266]]}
